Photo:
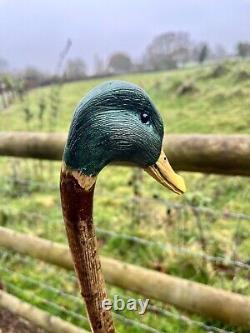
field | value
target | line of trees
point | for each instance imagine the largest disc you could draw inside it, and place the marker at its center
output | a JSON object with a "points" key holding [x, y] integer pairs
{"points": [[169, 50], [166, 51]]}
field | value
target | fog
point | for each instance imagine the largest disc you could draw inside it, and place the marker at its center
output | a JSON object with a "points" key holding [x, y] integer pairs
{"points": [[35, 32]]}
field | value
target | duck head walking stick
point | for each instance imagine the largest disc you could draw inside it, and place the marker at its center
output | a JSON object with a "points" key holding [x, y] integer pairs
{"points": [[116, 121]]}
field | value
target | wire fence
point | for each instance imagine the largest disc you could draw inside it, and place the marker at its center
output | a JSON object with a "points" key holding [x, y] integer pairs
{"points": [[199, 215], [169, 204], [45, 286], [177, 249]]}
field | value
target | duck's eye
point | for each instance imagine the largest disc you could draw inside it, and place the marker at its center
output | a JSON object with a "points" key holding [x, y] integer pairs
{"points": [[145, 117]]}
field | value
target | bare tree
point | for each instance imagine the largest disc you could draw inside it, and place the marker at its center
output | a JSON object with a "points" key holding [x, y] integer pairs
{"points": [[99, 68], [62, 56], [219, 52], [168, 50], [243, 49], [75, 69], [120, 63], [200, 52], [203, 54], [33, 77], [3, 66]]}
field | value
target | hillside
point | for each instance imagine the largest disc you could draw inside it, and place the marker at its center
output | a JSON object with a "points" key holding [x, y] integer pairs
{"points": [[211, 99]]}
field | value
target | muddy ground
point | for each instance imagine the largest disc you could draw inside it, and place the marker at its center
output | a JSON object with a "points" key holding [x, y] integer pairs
{"points": [[10, 323]]}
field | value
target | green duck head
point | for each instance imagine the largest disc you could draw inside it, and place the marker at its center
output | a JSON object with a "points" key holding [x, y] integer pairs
{"points": [[117, 122]]}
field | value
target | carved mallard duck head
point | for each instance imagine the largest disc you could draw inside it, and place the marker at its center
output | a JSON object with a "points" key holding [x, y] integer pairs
{"points": [[117, 122]]}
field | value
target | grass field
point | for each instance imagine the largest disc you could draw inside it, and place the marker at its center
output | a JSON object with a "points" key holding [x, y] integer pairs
{"points": [[213, 99]]}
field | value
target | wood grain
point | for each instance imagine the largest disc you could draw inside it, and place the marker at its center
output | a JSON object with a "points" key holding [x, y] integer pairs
{"points": [[77, 206]]}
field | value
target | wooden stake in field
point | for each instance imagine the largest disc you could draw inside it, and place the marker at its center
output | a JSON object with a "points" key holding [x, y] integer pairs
{"points": [[115, 122]]}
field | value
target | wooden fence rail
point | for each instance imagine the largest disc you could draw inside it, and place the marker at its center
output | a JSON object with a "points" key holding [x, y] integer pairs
{"points": [[36, 316], [219, 154], [225, 306]]}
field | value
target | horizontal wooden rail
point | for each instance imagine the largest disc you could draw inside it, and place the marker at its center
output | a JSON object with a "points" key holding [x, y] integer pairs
{"points": [[36, 316], [219, 154], [225, 306]]}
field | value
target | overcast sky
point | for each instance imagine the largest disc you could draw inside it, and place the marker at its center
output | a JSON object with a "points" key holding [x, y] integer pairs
{"points": [[33, 32]]}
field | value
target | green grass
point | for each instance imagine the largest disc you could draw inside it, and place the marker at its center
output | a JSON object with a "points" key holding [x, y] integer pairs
{"points": [[217, 101]]}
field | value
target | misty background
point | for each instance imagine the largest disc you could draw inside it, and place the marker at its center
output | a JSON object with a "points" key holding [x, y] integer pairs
{"points": [[34, 33]]}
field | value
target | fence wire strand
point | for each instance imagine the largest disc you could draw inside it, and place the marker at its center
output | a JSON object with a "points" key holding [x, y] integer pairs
{"points": [[166, 246], [78, 301], [199, 209], [75, 299], [176, 249]]}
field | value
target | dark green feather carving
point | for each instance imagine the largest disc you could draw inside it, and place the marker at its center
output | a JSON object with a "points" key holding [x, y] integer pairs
{"points": [[107, 126]]}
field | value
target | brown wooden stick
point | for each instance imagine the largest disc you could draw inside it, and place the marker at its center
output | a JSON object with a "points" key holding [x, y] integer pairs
{"points": [[77, 206]]}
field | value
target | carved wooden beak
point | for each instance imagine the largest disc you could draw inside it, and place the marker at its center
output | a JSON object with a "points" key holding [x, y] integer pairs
{"points": [[164, 174]]}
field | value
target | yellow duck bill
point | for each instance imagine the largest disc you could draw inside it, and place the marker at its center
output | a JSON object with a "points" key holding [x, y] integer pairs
{"points": [[165, 175]]}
